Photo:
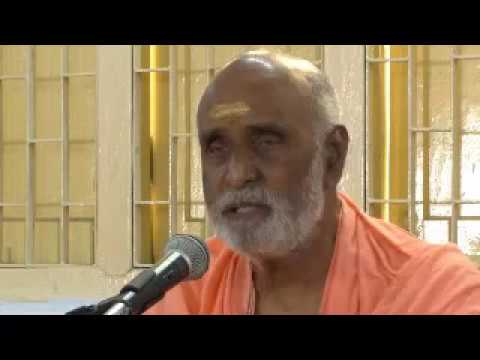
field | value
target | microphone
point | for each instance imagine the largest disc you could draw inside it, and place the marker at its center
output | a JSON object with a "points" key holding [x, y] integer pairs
{"points": [[186, 258]]}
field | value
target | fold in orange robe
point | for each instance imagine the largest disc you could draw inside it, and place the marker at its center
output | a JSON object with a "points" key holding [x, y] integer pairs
{"points": [[377, 268]]}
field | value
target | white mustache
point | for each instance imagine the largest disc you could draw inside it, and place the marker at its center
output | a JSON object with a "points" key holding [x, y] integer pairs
{"points": [[249, 195]]}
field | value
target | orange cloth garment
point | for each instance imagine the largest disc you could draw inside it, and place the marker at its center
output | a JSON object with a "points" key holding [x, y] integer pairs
{"points": [[377, 268]]}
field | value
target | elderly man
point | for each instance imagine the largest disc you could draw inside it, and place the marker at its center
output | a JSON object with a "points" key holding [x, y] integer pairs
{"points": [[286, 241]]}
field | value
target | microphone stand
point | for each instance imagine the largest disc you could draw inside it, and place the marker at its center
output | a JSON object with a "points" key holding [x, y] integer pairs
{"points": [[102, 307], [132, 300]]}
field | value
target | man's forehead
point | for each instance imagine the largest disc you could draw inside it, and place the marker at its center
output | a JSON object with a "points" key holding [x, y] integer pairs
{"points": [[229, 110]]}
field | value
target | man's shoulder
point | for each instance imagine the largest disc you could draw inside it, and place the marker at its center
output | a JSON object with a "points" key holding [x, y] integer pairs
{"points": [[390, 251], [439, 279]]}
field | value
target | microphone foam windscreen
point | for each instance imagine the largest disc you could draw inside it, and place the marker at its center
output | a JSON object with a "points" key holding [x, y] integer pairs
{"points": [[194, 249]]}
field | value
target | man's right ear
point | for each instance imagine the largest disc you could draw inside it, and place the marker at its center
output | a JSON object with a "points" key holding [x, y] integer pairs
{"points": [[336, 146]]}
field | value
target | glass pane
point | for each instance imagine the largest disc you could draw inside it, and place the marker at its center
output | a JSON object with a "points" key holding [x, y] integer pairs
{"points": [[143, 56], [226, 53], [48, 173], [378, 211], [437, 166], [469, 237], [470, 167], [468, 93], [188, 223], [470, 210], [418, 230], [151, 232], [375, 51], [14, 173], [440, 166], [377, 131], [310, 52], [13, 60], [82, 170], [14, 106], [81, 58], [399, 215], [469, 50], [152, 56], [285, 49], [435, 231], [13, 236], [46, 243], [153, 138], [82, 108], [433, 78], [48, 62], [394, 213], [81, 235], [440, 210], [48, 109], [189, 173], [189, 91], [398, 162], [197, 60]]}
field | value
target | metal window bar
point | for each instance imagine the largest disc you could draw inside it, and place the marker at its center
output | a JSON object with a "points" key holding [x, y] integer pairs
{"points": [[30, 148], [12, 77], [1, 156], [64, 75], [387, 60], [64, 188], [152, 70], [172, 141], [209, 55], [411, 138], [457, 148]]}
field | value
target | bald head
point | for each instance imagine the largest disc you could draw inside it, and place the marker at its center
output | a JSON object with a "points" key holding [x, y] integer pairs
{"points": [[265, 72]]}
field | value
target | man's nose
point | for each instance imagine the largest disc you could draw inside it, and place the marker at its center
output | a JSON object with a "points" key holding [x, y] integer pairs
{"points": [[241, 170]]}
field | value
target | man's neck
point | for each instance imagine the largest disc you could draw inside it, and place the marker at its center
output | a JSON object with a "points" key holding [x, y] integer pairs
{"points": [[303, 272]]}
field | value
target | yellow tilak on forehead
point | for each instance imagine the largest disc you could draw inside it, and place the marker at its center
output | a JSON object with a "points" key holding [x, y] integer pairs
{"points": [[229, 110]]}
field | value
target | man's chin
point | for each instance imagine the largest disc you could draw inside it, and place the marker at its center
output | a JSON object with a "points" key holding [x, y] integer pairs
{"points": [[252, 245]]}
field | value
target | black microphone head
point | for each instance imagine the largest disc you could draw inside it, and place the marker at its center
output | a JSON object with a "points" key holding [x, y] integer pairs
{"points": [[194, 250]]}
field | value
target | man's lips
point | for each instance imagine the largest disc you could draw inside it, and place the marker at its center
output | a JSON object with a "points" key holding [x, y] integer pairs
{"points": [[246, 210]]}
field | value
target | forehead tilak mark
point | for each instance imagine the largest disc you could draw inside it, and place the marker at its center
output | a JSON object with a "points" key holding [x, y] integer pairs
{"points": [[229, 110]]}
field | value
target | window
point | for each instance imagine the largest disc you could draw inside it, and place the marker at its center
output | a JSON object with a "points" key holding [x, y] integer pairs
{"points": [[423, 119], [47, 155]]}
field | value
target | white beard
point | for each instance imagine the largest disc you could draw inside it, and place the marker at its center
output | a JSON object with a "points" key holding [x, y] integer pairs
{"points": [[283, 231]]}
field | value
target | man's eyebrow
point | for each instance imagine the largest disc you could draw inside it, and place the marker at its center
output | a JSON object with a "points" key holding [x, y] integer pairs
{"points": [[229, 110], [273, 127], [207, 135]]}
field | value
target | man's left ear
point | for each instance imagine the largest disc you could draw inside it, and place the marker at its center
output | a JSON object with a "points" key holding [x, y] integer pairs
{"points": [[336, 146]]}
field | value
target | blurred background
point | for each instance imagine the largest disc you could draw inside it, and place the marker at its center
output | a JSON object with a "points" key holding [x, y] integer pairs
{"points": [[99, 160]]}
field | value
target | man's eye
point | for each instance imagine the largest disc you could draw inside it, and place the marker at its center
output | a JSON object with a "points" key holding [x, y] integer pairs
{"points": [[215, 148], [268, 140]]}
